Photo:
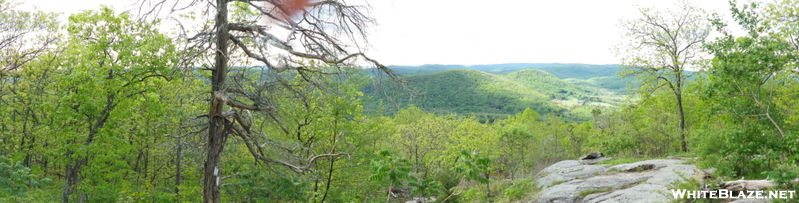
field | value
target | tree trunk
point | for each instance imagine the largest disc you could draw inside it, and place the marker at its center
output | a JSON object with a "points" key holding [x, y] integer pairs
{"points": [[331, 167], [211, 172], [178, 159], [329, 180], [217, 133], [73, 170], [683, 144], [681, 110], [390, 187]]}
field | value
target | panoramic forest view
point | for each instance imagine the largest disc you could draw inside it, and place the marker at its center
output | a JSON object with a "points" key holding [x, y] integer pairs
{"points": [[284, 101]]}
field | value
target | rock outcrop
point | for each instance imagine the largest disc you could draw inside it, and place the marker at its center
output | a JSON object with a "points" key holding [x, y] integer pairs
{"points": [[643, 181]]}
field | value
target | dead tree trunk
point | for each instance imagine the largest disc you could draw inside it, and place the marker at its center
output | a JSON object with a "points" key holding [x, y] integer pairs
{"points": [[750, 185], [746, 185], [217, 126]]}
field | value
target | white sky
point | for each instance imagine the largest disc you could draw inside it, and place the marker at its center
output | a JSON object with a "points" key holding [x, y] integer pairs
{"points": [[470, 32]]}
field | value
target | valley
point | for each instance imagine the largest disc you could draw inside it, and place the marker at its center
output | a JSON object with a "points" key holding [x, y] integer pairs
{"points": [[491, 92]]}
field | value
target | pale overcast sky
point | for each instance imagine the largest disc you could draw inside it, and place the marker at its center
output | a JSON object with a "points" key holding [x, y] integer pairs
{"points": [[470, 32]]}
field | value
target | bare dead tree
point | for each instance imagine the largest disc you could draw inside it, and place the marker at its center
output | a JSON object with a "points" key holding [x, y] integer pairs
{"points": [[326, 33]]}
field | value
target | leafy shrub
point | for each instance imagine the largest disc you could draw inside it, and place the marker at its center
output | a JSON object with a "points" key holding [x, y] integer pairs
{"points": [[16, 179], [518, 189], [473, 194], [426, 187]]}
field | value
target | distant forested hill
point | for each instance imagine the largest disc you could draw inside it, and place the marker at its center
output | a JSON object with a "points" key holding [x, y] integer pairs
{"points": [[495, 91], [560, 70]]}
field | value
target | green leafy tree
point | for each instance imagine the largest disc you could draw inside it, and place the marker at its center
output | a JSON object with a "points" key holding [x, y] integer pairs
{"points": [[529, 142], [423, 138], [16, 179], [26, 54], [520, 139], [743, 84], [778, 16], [425, 188], [474, 168], [639, 130], [396, 170], [110, 61], [662, 46]]}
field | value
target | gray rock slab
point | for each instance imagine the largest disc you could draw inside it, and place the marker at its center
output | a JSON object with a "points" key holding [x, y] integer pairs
{"points": [[566, 171], [650, 185], [659, 163], [672, 174], [570, 191], [638, 193], [593, 161]]}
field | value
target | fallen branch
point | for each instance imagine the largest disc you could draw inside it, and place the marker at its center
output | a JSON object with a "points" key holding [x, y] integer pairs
{"points": [[749, 185]]}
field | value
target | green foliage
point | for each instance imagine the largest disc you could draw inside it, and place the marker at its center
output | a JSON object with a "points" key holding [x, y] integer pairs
{"points": [[784, 175], [474, 194], [387, 166], [645, 128], [48, 191], [660, 48], [692, 184], [561, 70], [433, 142], [426, 187], [519, 189], [473, 167], [256, 186], [742, 104], [490, 97], [320, 113], [147, 193], [111, 60], [558, 182], [110, 99], [111, 103], [592, 191], [613, 83], [742, 87], [449, 181], [108, 92], [16, 179], [529, 140]]}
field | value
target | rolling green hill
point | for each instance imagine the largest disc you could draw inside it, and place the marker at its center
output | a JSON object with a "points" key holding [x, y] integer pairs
{"points": [[491, 96], [560, 70]]}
